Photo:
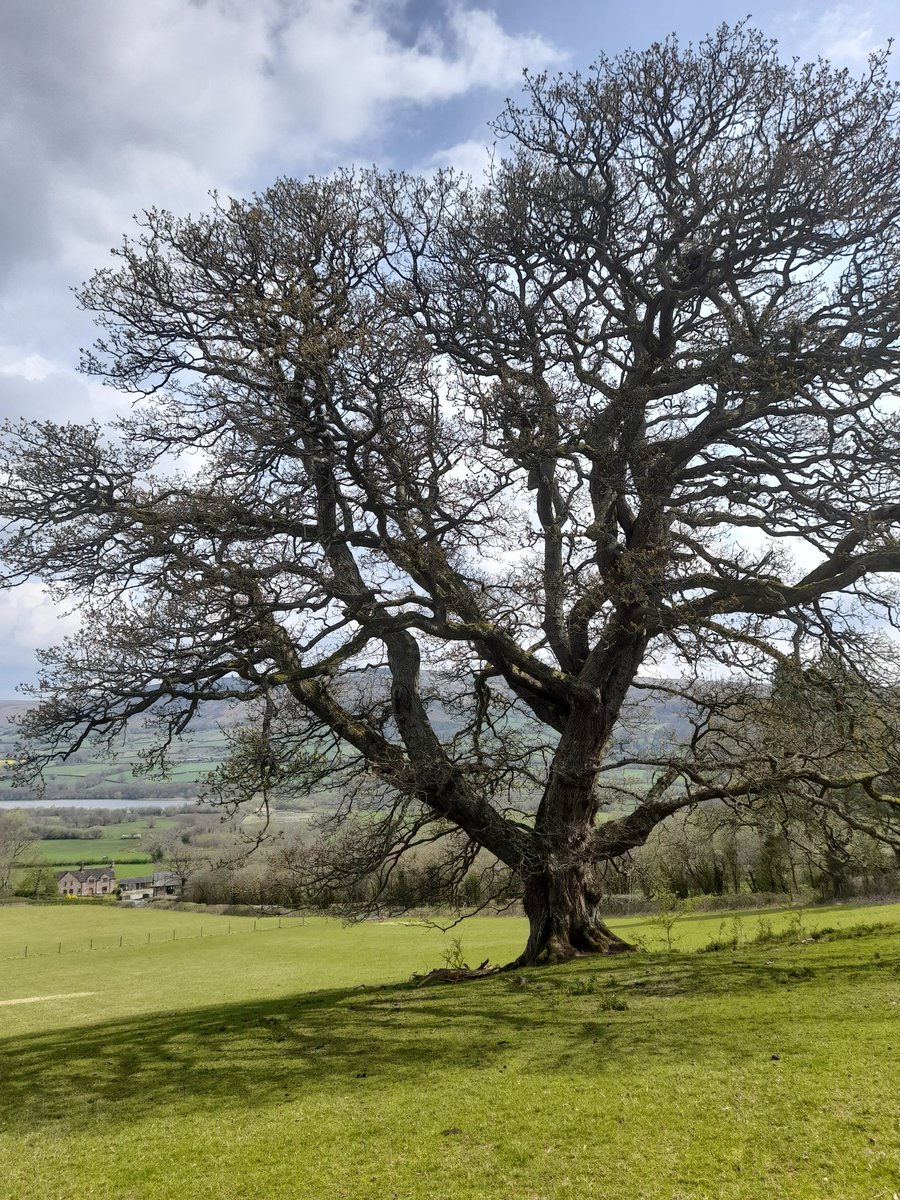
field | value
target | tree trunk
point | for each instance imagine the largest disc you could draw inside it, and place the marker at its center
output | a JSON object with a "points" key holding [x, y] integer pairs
{"points": [[563, 906]]}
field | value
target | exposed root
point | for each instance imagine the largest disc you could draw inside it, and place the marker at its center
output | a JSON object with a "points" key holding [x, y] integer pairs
{"points": [[560, 951], [455, 974]]}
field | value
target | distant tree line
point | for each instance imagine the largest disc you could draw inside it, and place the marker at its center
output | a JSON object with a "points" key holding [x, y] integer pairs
{"points": [[712, 852], [74, 822]]}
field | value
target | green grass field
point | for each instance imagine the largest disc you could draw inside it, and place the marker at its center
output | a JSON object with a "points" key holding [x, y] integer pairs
{"points": [[95, 852], [91, 851], [296, 1062], [98, 775]]}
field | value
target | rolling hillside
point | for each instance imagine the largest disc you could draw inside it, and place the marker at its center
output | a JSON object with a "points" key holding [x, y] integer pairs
{"points": [[91, 775]]}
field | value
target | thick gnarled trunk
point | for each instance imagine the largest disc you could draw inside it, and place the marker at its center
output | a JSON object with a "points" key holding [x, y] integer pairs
{"points": [[563, 888], [563, 906]]}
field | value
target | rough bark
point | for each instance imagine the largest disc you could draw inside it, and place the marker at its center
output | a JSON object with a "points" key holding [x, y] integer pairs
{"points": [[565, 917], [563, 892]]}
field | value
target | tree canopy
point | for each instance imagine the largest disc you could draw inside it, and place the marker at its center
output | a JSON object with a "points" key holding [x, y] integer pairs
{"points": [[618, 422]]}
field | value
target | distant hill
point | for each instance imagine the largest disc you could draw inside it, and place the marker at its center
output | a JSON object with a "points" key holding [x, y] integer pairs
{"points": [[89, 774]]}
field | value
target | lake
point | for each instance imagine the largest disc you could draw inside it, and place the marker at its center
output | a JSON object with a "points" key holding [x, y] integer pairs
{"points": [[95, 803]]}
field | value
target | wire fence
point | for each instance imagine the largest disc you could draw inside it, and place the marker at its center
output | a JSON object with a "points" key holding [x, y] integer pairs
{"points": [[154, 937]]}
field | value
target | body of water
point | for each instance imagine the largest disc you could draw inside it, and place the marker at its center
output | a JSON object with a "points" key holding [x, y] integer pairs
{"points": [[95, 803]]}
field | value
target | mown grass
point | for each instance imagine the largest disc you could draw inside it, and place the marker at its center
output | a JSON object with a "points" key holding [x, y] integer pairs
{"points": [[163, 962], [256, 1065]]}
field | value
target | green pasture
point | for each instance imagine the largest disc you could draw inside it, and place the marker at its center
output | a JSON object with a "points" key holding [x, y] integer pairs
{"points": [[111, 846], [192, 758], [296, 1061], [193, 770], [91, 851], [73, 770]]}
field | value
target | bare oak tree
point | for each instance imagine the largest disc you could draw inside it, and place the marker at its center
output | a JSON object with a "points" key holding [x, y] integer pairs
{"points": [[617, 423]]}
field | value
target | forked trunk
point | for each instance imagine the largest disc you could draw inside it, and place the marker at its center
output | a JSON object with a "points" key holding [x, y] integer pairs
{"points": [[563, 888], [563, 907]]}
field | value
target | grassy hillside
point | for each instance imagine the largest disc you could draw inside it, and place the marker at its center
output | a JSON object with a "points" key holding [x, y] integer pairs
{"points": [[256, 1064], [89, 774]]}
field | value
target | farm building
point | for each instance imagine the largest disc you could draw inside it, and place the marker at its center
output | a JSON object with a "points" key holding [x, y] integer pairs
{"points": [[96, 881], [150, 887], [137, 887], [166, 883]]}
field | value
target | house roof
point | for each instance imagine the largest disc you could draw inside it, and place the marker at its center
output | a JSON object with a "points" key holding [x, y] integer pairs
{"points": [[91, 873], [136, 881]]}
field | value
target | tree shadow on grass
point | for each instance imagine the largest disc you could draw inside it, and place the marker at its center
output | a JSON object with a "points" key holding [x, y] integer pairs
{"points": [[587, 1016]]}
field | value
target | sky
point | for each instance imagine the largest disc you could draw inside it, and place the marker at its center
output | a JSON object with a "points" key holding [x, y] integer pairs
{"points": [[112, 106]]}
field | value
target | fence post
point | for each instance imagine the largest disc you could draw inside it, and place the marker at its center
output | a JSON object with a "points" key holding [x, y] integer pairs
{"points": [[121, 935], [59, 951], [26, 951], [91, 945], [173, 935]]}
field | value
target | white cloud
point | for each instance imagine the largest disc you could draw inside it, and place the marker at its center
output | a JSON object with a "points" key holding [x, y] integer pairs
{"points": [[32, 368], [28, 621], [112, 106], [845, 34], [472, 157]]}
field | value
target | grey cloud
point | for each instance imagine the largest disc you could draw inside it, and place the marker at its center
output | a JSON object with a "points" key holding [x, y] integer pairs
{"points": [[48, 397], [159, 102], [28, 621]]}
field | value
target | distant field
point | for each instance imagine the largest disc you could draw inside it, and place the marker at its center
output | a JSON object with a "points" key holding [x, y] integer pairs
{"points": [[294, 1062], [111, 846], [91, 851], [131, 855], [193, 770], [192, 760]]}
